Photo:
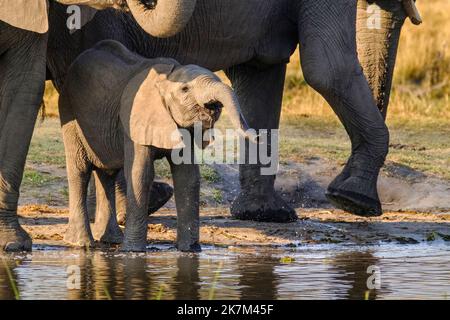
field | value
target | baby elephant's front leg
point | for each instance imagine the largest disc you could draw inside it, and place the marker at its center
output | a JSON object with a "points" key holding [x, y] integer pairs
{"points": [[139, 173], [186, 180]]}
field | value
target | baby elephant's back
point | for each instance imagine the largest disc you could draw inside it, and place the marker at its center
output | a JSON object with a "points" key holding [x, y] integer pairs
{"points": [[92, 93]]}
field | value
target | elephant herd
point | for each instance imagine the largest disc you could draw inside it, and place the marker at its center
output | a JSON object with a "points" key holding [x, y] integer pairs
{"points": [[153, 51]]}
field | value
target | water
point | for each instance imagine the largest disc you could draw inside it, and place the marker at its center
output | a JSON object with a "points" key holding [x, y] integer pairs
{"points": [[308, 272]]}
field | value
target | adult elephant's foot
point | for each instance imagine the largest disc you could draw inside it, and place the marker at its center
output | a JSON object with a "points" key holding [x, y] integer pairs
{"points": [[356, 195], [160, 193], [355, 189], [13, 237], [262, 208], [78, 237], [344, 175]]}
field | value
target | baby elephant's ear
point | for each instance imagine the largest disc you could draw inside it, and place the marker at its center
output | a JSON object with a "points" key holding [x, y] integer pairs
{"points": [[31, 15], [144, 116]]}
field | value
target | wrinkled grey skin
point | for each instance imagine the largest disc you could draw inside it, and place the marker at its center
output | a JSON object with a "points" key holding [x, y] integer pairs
{"points": [[23, 57], [159, 194], [253, 49], [252, 40], [98, 135]]}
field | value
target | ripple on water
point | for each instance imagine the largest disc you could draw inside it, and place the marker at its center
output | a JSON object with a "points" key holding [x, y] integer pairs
{"points": [[306, 272]]}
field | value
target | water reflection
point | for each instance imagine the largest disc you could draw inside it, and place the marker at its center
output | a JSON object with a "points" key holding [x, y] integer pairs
{"points": [[353, 268], [330, 273], [186, 284], [6, 274], [258, 280]]}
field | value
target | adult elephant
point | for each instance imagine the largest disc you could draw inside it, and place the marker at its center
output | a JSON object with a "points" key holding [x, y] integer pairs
{"points": [[252, 41], [23, 56]]}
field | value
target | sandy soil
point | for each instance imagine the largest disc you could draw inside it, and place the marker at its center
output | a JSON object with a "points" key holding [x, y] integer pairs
{"points": [[48, 224]]}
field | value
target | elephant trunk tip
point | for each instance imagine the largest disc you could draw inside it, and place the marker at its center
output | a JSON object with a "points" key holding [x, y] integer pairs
{"points": [[162, 18]]}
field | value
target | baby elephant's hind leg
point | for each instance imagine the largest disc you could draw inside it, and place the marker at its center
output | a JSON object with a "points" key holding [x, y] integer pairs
{"points": [[106, 228]]}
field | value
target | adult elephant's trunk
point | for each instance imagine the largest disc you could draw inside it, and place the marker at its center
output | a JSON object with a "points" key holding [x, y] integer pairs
{"points": [[378, 34], [222, 93], [162, 18]]}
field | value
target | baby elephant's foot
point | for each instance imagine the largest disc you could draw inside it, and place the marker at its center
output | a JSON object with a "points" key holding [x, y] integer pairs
{"points": [[78, 237], [356, 195]]}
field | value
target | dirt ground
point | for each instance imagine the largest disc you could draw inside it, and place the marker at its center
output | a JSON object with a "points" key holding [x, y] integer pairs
{"points": [[47, 226]]}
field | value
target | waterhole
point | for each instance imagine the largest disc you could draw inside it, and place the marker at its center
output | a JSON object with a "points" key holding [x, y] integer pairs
{"points": [[388, 271]]}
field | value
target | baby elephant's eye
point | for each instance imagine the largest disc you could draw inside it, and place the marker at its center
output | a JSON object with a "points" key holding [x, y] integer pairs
{"points": [[184, 89]]}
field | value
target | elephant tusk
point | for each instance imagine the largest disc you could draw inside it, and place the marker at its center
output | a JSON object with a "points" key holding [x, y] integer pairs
{"points": [[412, 11]]}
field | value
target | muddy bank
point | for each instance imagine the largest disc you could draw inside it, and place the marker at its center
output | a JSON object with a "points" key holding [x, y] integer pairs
{"points": [[48, 224]]}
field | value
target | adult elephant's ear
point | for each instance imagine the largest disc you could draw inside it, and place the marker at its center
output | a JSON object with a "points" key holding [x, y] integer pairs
{"points": [[144, 117], [31, 15]]}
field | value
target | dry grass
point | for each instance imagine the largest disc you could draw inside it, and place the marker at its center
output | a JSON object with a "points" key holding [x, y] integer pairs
{"points": [[50, 101]]}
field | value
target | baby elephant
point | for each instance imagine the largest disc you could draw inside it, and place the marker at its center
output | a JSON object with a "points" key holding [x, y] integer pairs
{"points": [[120, 110]]}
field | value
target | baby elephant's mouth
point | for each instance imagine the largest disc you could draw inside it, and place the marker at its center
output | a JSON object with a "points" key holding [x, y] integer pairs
{"points": [[213, 109]]}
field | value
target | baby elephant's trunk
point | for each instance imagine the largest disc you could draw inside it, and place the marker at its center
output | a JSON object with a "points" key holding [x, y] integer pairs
{"points": [[225, 95]]}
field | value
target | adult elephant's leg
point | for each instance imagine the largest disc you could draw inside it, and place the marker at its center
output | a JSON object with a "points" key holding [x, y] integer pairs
{"points": [[330, 65], [378, 30], [260, 93], [106, 228], [22, 77]]}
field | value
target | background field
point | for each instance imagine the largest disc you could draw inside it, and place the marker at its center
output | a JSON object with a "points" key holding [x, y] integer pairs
{"points": [[418, 117]]}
